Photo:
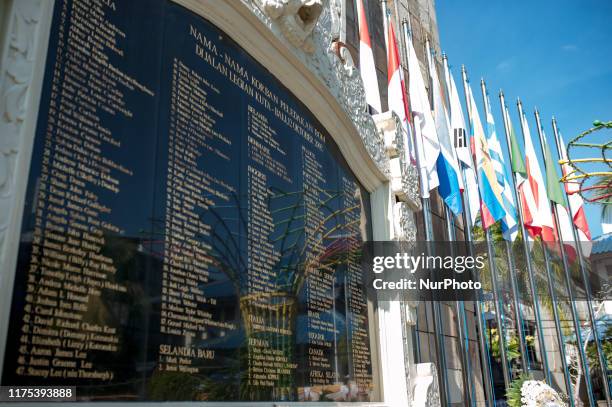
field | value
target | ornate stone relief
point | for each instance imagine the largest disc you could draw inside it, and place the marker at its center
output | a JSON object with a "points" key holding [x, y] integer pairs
{"points": [[15, 80], [425, 390], [404, 175], [411, 312], [404, 226], [319, 48], [296, 18]]}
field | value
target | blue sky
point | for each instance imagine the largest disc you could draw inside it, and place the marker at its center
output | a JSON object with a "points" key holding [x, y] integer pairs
{"points": [[556, 55]]}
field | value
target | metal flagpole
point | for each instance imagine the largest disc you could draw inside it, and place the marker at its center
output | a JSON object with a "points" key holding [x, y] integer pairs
{"points": [[482, 342], [450, 230], [513, 287], [403, 59], [483, 332], [587, 286], [511, 273], [478, 307], [494, 286], [385, 14], [575, 317], [429, 236], [553, 297], [416, 340], [532, 286], [459, 308]]}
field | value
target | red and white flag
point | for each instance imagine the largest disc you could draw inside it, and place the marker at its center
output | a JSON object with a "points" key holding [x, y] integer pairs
{"points": [[396, 89], [366, 61], [537, 214]]}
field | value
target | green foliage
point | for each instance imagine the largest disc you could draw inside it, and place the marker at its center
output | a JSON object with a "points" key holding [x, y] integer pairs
{"points": [[513, 349], [539, 270], [513, 393], [513, 346], [173, 386], [607, 351]]}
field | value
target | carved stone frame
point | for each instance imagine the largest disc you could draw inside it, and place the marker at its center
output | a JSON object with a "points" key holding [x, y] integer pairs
{"points": [[24, 50]]}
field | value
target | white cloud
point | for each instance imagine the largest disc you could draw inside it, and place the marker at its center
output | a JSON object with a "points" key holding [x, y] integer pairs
{"points": [[506, 65]]}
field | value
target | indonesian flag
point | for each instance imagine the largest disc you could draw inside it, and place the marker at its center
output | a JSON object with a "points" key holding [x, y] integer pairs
{"points": [[396, 90], [366, 62], [537, 215]]}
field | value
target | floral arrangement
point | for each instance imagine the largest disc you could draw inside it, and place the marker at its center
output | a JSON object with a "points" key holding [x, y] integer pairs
{"points": [[526, 392]]}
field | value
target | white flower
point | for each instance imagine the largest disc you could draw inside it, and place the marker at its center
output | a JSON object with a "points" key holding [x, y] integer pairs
{"points": [[535, 393]]}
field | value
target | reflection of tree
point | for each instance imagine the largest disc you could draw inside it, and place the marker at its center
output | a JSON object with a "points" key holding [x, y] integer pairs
{"points": [[174, 386], [125, 311], [225, 248], [301, 251], [295, 272], [558, 300], [540, 277], [321, 246], [513, 352], [603, 330]]}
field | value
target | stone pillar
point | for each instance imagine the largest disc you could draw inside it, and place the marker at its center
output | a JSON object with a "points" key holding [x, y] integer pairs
{"points": [[23, 51]]}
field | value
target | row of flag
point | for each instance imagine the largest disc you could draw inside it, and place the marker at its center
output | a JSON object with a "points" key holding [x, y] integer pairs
{"points": [[454, 163]]}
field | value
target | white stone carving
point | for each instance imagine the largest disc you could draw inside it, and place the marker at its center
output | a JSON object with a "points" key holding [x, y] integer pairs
{"points": [[296, 18], [425, 391], [404, 175], [331, 62], [411, 312], [15, 80], [387, 124], [403, 222]]}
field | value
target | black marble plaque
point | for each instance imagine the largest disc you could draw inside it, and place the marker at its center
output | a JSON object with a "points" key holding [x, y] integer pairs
{"points": [[191, 231]]}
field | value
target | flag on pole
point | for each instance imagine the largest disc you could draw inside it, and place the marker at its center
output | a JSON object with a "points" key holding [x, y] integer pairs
{"points": [[567, 235], [553, 187], [555, 194], [396, 90], [573, 194], [508, 223], [460, 138], [537, 215], [424, 125], [491, 206], [516, 161], [447, 164], [462, 147], [517, 164], [366, 62]]}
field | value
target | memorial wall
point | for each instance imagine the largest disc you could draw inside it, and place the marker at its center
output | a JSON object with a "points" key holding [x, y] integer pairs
{"points": [[191, 231]]}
